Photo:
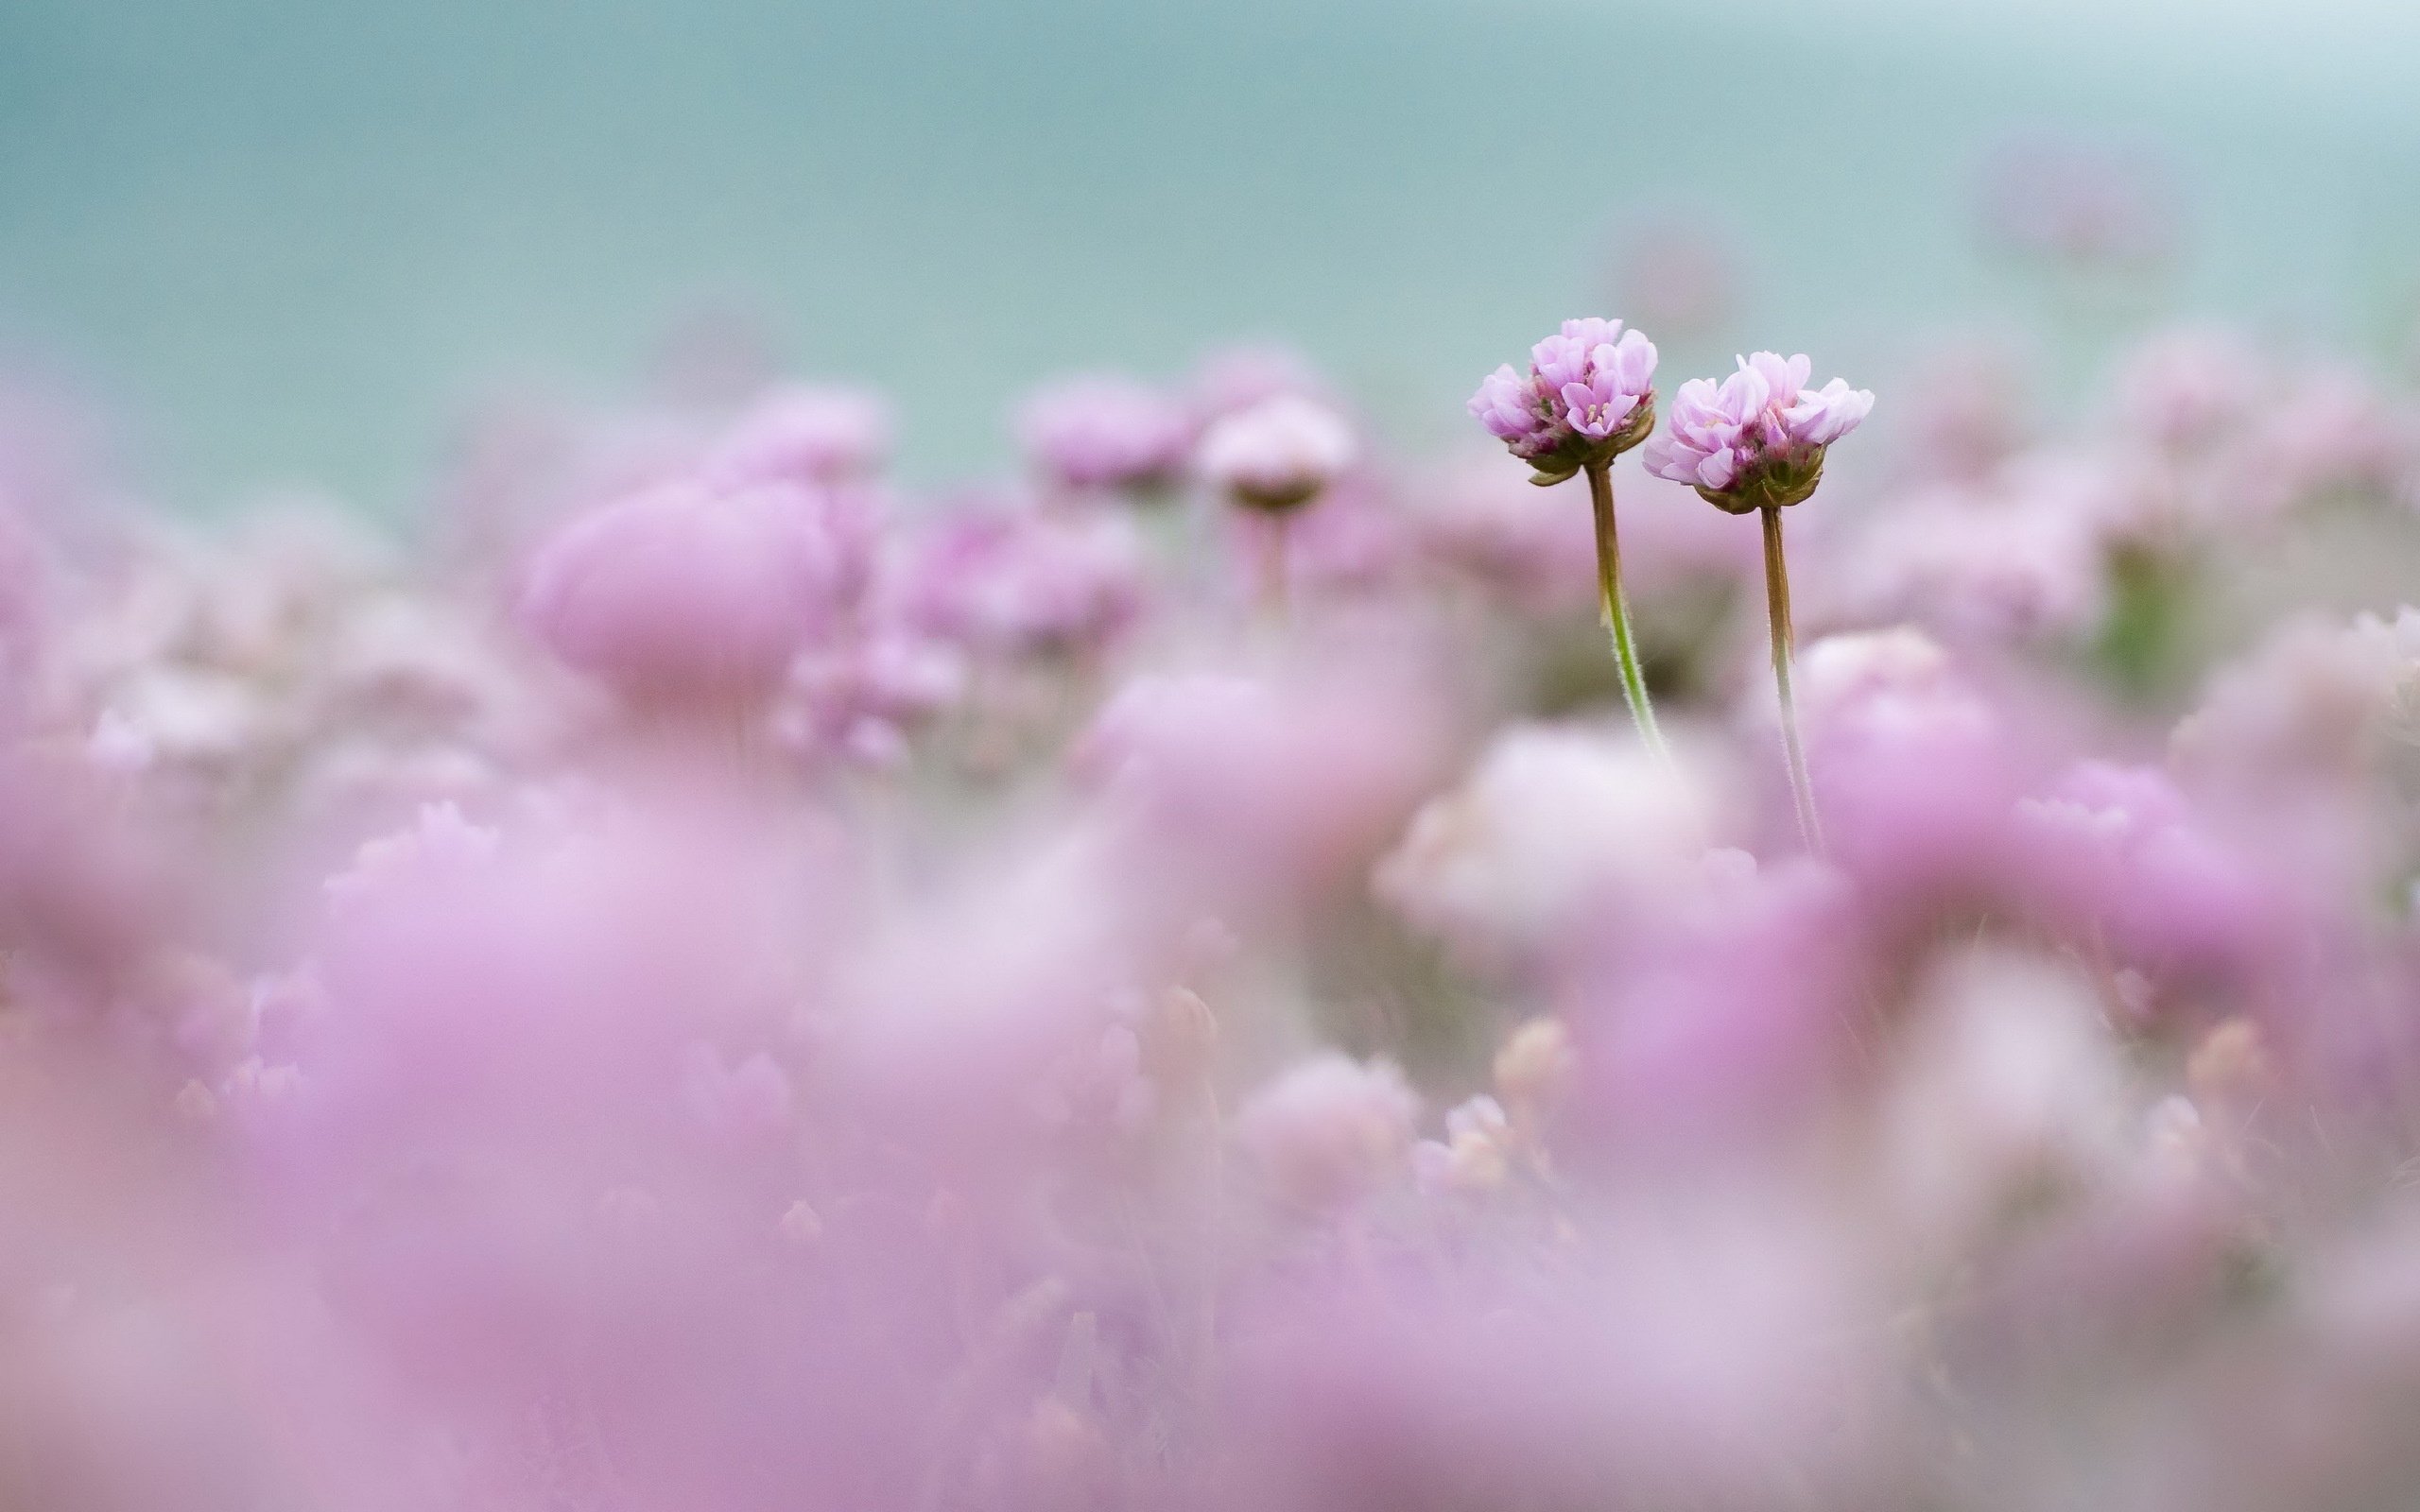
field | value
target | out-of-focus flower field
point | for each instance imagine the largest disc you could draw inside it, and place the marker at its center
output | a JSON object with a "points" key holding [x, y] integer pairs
{"points": [[700, 976]]}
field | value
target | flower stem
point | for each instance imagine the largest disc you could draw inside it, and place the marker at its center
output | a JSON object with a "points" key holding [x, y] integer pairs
{"points": [[1616, 611], [1275, 598], [1801, 790]]}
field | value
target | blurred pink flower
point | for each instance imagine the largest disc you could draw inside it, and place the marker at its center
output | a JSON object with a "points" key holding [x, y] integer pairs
{"points": [[1004, 577], [1329, 1131], [688, 592], [1279, 453], [1104, 431], [805, 433]]}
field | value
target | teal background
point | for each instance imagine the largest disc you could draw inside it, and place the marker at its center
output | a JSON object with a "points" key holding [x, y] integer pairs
{"points": [[289, 241]]}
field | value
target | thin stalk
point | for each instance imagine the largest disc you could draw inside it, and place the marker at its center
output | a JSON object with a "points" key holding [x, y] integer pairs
{"points": [[1616, 611], [1275, 597], [1801, 790]]}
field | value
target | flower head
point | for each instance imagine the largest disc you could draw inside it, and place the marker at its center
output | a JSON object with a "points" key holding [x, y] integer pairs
{"points": [[1589, 395], [1758, 437], [1104, 431], [807, 433], [688, 590], [1278, 454]]}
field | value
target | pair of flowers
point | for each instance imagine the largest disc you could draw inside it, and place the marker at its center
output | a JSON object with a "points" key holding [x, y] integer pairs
{"points": [[1756, 437], [1753, 443]]}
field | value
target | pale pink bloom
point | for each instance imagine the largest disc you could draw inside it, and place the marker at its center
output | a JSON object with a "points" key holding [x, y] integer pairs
{"points": [[2012, 1080], [1104, 431], [1355, 539], [25, 594], [1474, 1157], [1589, 392], [1998, 565], [1238, 377], [750, 1102], [186, 718], [805, 433], [1756, 437], [955, 1008], [1662, 1340], [1917, 770], [1966, 409], [1329, 1131], [1728, 1026], [2120, 852], [1279, 453], [1486, 524], [1003, 577], [1263, 792], [1554, 827], [2192, 386], [2316, 699], [863, 698], [2332, 432], [690, 592]]}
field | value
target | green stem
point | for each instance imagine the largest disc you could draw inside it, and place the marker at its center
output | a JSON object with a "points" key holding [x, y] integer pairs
{"points": [[1616, 611], [1276, 599], [1801, 790]]}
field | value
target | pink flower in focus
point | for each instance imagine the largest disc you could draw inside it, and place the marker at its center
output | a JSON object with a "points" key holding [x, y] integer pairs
{"points": [[1589, 395], [1758, 437]]}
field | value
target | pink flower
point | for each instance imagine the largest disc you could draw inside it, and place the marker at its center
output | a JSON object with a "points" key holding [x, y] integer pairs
{"points": [[1278, 454], [1589, 395], [686, 591], [2191, 387], [1758, 437], [1104, 431], [2122, 853], [1330, 1130], [1012, 580], [1556, 831], [805, 433], [2017, 559]]}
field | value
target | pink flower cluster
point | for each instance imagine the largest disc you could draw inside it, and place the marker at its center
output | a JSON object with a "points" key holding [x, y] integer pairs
{"points": [[1756, 437], [737, 981], [1589, 394]]}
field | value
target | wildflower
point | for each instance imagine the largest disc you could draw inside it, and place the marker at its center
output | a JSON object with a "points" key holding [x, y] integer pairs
{"points": [[1278, 454], [1588, 397], [1104, 431], [1553, 827], [1330, 1130], [1756, 439], [807, 433], [688, 592], [1755, 442], [1273, 458]]}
